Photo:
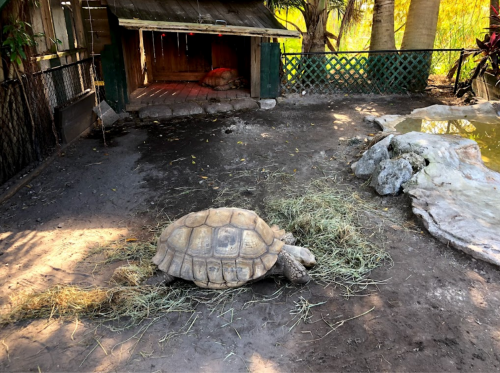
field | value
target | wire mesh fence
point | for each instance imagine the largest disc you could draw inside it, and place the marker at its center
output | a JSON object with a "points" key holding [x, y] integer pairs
{"points": [[28, 133], [380, 72]]}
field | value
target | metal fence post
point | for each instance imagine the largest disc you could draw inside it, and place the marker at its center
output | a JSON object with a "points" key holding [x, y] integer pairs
{"points": [[458, 71]]}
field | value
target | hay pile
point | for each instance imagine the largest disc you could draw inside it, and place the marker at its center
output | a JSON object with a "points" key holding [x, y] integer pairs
{"points": [[327, 221]]}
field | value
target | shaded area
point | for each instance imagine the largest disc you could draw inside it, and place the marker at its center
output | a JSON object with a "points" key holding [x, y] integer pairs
{"points": [[438, 310]]}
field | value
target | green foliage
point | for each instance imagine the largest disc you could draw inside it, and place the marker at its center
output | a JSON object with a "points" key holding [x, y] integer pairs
{"points": [[17, 39]]}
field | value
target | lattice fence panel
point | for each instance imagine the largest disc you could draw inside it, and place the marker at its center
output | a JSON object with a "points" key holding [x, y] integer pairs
{"points": [[330, 73]]}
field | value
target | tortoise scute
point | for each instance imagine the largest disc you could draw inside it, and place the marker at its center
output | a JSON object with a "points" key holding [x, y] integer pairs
{"points": [[164, 264], [179, 238], [244, 219], [265, 232], [214, 271], [219, 217], [229, 271], [200, 244], [244, 269], [200, 270], [187, 267], [268, 260], [252, 245], [176, 264], [196, 219], [228, 242], [259, 269]]}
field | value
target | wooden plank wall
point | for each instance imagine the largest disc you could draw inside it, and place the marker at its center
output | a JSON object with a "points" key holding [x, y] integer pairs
{"points": [[180, 62], [96, 24], [131, 52]]}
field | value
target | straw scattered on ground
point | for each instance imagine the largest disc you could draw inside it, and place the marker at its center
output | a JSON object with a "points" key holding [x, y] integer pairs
{"points": [[327, 221]]}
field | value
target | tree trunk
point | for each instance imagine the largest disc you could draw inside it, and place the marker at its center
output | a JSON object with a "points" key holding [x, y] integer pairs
{"points": [[316, 16], [421, 25], [382, 37]]}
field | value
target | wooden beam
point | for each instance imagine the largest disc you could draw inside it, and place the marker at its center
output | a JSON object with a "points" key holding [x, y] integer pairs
{"points": [[76, 9], [161, 26], [143, 58], [255, 67], [47, 57]]}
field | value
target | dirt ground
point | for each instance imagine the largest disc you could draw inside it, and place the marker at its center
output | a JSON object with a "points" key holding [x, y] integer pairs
{"points": [[437, 309]]}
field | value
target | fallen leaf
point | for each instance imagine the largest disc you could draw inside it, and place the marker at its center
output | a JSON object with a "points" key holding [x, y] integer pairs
{"points": [[193, 157], [242, 159], [204, 177], [240, 142], [193, 162], [216, 188], [312, 124], [296, 150], [114, 190], [215, 120], [131, 239], [294, 170], [386, 209]]}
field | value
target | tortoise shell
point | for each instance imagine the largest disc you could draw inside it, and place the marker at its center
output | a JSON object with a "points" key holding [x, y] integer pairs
{"points": [[218, 248]]}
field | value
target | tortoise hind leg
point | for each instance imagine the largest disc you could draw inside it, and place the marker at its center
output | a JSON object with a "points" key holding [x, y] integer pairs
{"points": [[160, 278]]}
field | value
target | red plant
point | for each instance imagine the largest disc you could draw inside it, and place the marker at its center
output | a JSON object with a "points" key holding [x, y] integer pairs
{"points": [[490, 50]]}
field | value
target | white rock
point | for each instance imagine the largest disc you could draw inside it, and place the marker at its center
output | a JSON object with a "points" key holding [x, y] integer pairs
{"points": [[456, 196], [267, 104]]}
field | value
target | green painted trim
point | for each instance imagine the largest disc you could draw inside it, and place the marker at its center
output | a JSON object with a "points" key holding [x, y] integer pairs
{"points": [[3, 3]]}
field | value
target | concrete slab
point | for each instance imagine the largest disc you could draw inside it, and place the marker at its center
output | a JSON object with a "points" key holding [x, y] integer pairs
{"points": [[217, 107], [182, 109], [155, 111], [244, 103]]}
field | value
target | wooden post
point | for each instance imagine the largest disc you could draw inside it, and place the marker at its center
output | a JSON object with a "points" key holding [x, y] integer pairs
{"points": [[48, 26], [59, 23], [143, 58], [76, 9], [255, 67]]}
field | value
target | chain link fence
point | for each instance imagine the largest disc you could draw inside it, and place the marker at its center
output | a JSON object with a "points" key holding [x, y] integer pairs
{"points": [[379, 72], [28, 133]]}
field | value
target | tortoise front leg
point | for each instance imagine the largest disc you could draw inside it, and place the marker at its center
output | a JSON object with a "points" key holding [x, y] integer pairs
{"points": [[292, 268]]}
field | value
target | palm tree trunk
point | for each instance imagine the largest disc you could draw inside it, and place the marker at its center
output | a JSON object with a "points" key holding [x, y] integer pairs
{"points": [[316, 16], [421, 25], [383, 26]]}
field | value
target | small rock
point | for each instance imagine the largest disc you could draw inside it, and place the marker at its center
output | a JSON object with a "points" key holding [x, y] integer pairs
{"points": [[267, 104], [370, 160], [60, 225], [390, 174], [369, 118]]}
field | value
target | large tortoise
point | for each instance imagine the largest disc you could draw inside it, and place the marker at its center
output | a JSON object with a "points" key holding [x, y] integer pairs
{"points": [[223, 79], [227, 247]]}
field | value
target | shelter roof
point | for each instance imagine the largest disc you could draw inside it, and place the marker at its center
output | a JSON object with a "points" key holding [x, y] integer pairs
{"points": [[229, 17]]}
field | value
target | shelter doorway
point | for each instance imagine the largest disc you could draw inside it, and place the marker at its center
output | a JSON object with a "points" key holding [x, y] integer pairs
{"points": [[173, 57]]}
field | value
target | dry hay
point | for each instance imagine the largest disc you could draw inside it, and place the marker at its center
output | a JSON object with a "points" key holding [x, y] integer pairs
{"points": [[327, 221]]}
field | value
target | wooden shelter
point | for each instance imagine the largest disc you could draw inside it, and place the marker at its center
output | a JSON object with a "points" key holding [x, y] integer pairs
{"points": [[180, 41]]}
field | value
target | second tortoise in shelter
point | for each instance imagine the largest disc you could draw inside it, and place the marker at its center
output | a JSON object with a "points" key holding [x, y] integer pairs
{"points": [[227, 247]]}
